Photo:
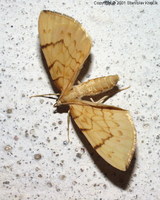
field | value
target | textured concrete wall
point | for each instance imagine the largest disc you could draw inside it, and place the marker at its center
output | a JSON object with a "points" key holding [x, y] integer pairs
{"points": [[36, 162]]}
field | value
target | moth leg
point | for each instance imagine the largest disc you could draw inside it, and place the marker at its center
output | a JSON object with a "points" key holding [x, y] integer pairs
{"points": [[107, 96], [92, 100], [123, 89], [103, 99], [100, 100], [68, 121]]}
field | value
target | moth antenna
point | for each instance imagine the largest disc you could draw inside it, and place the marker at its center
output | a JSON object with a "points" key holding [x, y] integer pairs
{"points": [[44, 95]]}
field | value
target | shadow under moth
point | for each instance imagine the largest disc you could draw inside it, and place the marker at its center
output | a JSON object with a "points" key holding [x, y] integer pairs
{"points": [[110, 130]]}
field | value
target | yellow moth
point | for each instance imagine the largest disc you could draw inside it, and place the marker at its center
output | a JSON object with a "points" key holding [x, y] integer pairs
{"points": [[110, 130]]}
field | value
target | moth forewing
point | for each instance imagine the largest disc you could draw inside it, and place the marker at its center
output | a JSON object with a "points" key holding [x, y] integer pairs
{"points": [[65, 45]]}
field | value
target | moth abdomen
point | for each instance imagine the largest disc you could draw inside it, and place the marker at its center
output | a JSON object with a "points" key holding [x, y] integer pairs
{"points": [[96, 86]]}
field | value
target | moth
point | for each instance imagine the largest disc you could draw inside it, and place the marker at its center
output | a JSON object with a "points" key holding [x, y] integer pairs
{"points": [[110, 130]]}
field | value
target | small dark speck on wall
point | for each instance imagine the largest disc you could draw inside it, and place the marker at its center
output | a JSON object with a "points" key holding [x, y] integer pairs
{"points": [[37, 156]]}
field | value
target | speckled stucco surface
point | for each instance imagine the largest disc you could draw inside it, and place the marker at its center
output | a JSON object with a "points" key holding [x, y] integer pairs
{"points": [[36, 162]]}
